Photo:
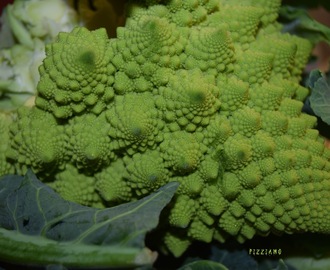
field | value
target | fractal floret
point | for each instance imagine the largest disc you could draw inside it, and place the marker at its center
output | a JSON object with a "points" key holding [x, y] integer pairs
{"points": [[202, 92]]}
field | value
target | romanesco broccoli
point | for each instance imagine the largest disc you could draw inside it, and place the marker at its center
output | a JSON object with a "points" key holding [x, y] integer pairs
{"points": [[205, 93]]}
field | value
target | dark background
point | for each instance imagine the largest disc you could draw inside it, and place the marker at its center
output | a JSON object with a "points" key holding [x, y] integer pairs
{"points": [[3, 3]]}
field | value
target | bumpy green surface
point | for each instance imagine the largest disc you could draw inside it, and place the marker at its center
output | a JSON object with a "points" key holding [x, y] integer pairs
{"points": [[205, 93]]}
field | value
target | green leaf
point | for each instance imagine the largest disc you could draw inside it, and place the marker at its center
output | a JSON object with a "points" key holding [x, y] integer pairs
{"points": [[234, 259], [271, 264], [308, 263], [319, 98], [203, 265], [297, 21], [281, 265], [313, 77], [18, 28], [38, 227]]}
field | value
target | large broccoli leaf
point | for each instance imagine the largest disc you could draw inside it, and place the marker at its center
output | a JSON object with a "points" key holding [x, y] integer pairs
{"points": [[319, 98], [298, 22], [38, 227]]}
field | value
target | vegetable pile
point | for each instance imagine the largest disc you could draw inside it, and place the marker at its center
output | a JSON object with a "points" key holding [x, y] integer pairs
{"points": [[24, 32], [203, 93]]}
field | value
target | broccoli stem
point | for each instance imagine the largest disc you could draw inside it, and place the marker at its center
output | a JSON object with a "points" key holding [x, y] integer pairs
{"points": [[30, 249]]}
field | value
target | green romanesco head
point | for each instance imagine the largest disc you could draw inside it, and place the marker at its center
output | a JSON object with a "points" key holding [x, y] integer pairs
{"points": [[78, 75], [5, 121], [205, 93]]}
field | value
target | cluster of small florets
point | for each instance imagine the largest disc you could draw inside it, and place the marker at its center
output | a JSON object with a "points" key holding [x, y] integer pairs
{"points": [[205, 93]]}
